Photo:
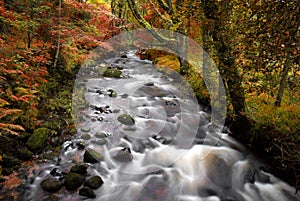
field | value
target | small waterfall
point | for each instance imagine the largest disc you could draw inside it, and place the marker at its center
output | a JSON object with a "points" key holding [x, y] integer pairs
{"points": [[166, 152]]}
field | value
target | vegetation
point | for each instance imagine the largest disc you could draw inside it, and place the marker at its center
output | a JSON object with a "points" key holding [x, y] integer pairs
{"points": [[43, 44]]}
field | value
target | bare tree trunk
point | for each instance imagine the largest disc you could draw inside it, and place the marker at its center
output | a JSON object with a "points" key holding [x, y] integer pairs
{"points": [[282, 85], [58, 38]]}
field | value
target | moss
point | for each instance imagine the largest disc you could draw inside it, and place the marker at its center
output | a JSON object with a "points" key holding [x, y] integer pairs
{"points": [[38, 140], [112, 72]]}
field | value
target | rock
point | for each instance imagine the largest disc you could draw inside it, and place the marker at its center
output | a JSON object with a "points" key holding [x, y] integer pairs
{"points": [[80, 169], [85, 137], [124, 56], [116, 111], [24, 154], [111, 93], [94, 182], [51, 185], [100, 135], [87, 192], [73, 181], [123, 155], [38, 140], [101, 142], [92, 156], [80, 145], [149, 84], [126, 119], [112, 73], [124, 95], [85, 129]]}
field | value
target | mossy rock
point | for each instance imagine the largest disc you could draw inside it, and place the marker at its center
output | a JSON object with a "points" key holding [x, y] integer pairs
{"points": [[87, 192], [112, 73], [94, 182], [38, 140], [73, 181], [51, 185], [79, 169], [24, 154], [126, 119], [92, 156]]}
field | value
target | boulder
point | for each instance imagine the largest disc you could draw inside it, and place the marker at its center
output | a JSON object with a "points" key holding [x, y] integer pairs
{"points": [[38, 140], [87, 192], [24, 154], [112, 73], [73, 181], [51, 185], [85, 137], [94, 182], [101, 142], [80, 169], [123, 155], [126, 119], [92, 156]]}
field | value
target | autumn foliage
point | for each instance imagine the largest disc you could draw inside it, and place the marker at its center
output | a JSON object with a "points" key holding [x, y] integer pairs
{"points": [[30, 31]]}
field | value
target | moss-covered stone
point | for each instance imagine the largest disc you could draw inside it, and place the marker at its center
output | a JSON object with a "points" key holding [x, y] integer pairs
{"points": [[80, 169], [73, 181], [51, 185], [94, 182], [38, 140], [126, 119], [112, 72], [92, 156], [24, 154], [87, 192]]}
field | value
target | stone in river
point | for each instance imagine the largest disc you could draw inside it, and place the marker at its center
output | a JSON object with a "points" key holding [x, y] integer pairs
{"points": [[123, 155], [100, 135], [73, 181], [101, 142], [80, 169], [94, 182], [51, 185], [87, 192], [85, 137], [92, 156], [126, 119]]}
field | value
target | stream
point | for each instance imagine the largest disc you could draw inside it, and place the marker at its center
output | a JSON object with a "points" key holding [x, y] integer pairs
{"points": [[151, 141]]}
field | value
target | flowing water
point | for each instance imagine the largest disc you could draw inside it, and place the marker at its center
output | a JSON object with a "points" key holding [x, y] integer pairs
{"points": [[170, 153]]}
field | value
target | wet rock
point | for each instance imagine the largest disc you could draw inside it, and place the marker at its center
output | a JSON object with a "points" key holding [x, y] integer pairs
{"points": [[55, 172], [100, 135], [124, 56], [101, 142], [80, 145], [94, 182], [124, 95], [87, 192], [92, 156], [126, 119], [51, 185], [38, 140], [85, 137], [116, 111], [112, 73], [85, 129], [80, 169], [123, 155], [149, 84], [73, 181], [111, 93]]}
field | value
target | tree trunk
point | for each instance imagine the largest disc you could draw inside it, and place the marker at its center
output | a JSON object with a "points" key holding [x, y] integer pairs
{"points": [[284, 76]]}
